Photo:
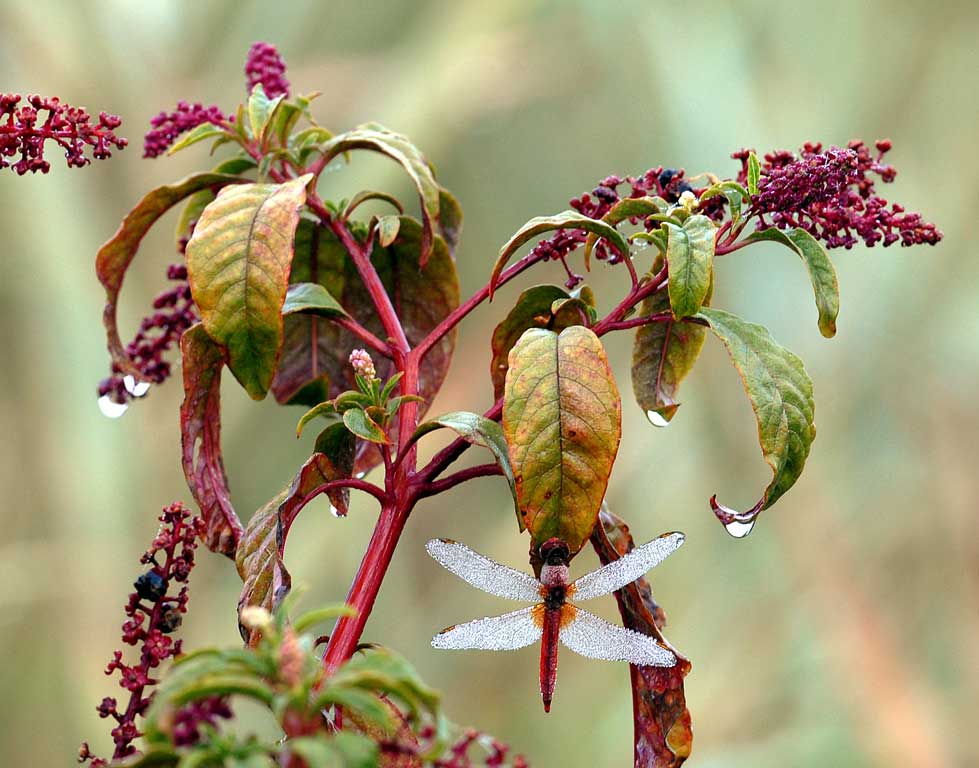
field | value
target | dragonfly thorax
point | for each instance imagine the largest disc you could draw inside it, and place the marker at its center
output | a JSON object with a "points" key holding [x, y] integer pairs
{"points": [[554, 575]]}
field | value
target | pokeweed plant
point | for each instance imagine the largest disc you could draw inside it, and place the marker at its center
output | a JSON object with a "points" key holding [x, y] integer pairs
{"points": [[355, 317]]}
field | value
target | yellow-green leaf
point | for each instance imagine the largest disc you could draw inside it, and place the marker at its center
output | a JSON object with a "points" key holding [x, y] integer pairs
{"points": [[311, 299], [690, 256], [780, 392], [821, 271], [238, 262], [562, 420]]}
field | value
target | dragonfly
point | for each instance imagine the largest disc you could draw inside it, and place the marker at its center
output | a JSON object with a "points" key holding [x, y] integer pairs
{"points": [[553, 616]]}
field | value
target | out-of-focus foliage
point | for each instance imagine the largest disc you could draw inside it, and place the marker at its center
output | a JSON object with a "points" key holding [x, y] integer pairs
{"points": [[841, 632]]}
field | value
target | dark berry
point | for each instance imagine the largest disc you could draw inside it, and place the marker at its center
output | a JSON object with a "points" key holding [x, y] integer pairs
{"points": [[170, 620], [151, 586]]}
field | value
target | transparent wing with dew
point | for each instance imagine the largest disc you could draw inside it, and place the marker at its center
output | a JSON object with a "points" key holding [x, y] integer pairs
{"points": [[627, 568], [482, 572], [595, 638], [497, 633]]}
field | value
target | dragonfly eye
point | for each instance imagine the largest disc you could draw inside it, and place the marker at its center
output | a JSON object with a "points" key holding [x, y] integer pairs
{"points": [[555, 552]]}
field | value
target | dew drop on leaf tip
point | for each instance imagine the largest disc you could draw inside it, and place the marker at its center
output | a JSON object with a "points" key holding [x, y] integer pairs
{"points": [[334, 511], [135, 388], [656, 419], [738, 529], [110, 408]]}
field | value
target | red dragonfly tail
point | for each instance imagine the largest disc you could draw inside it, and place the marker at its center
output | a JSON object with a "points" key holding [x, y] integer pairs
{"points": [[548, 656]]}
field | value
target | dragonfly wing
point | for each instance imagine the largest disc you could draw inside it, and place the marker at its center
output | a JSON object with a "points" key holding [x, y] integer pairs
{"points": [[483, 573], [595, 638], [497, 633], [627, 568]]}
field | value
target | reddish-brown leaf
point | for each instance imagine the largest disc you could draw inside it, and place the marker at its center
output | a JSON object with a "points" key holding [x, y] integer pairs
{"points": [[200, 434], [663, 734]]}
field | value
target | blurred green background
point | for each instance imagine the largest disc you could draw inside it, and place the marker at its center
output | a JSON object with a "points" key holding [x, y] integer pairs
{"points": [[844, 631]]}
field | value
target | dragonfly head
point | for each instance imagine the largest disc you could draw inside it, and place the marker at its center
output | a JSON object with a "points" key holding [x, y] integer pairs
{"points": [[555, 552]]}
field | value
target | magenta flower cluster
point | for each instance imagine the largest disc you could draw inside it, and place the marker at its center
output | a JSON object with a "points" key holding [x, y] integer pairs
{"points": [[189, 721], [168, 126], [264, 66], [458, 754], [154, 611], [24, 130], [174, 312], [832, 195]]}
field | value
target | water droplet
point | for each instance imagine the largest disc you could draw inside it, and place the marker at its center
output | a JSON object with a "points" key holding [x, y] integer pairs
{"points": [[738, 529], [135, 388], [334, 511], [360, 475], [656, 419], [111, 408]]}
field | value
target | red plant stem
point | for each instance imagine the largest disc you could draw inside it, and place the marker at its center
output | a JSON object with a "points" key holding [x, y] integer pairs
{"points": [[364, 335], [636, 322], [367, 583], [437, 486]]}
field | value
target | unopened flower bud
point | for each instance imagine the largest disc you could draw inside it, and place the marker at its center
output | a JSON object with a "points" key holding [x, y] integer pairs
{"points": [[362, 363]]}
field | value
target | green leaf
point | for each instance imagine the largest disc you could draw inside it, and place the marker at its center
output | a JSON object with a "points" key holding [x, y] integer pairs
{"points": [[260, 110], [259, 557], [780, 392], [312, 618], [532, 310], [376, 138], [562, 420], [735, 194], [117, 254], [821, 271], [366, 704], [387, 230], [383, 671], [631, 207], [477, 430], [566, 220], [238, 262], [341, 750], [200, 133], [364, 426], [690, 256], [314, 363], [200, 436], [662, 356], [450, 219], [325, 409], [754, 173], [311, 299]]}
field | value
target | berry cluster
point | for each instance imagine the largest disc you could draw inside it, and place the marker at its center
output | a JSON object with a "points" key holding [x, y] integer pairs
{"points": [[154, 612], [167, 126], [174, 312], [831, 195], [24, 131], [189, 721], [264, 66]]}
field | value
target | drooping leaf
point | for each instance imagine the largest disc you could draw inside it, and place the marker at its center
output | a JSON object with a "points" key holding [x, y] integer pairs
{"points": [[314, 363], [662, 356], [821, 271], [663, 737], [477, 430], [629, 208], [562, 420], [387, 230], [566, 220], [238, 263], [117, 254], [450, 219], [532, 310], [690, 256], [369, 194], [780, 392], [200, 436], [376, 138], [260, 555], [311, 299]]}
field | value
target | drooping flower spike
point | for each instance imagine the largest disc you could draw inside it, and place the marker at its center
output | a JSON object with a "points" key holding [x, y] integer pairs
{"points": [[553, 617]]}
